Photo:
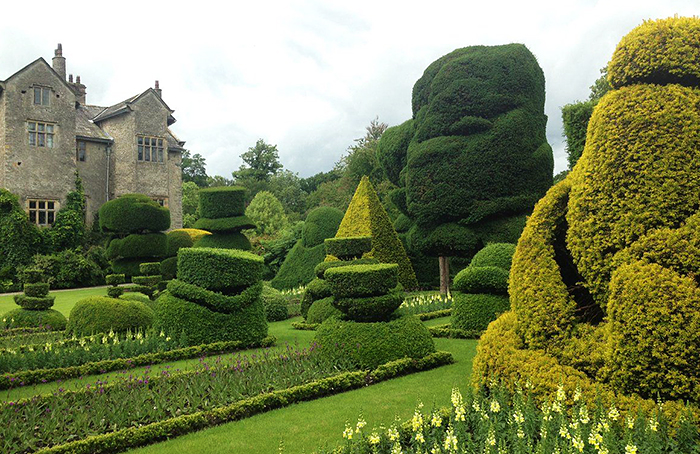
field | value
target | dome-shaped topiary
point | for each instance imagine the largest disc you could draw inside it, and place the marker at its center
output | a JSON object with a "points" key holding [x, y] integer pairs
{"points": [[100, 314], [133, 213], [603, 282], [321, 223], [495, 254]]}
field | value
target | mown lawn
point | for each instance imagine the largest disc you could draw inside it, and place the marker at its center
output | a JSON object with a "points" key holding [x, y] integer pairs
{"points": [[65, 299]]}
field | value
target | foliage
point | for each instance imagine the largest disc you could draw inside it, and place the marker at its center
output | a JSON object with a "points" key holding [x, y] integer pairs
{"points": [[224, 240], [138, 245], [133, 213], [127, 267], [367, 217], [190, 204], [320, 224], [474, 311], [370, 344], [482, 279], [362, 280], [225, 270], [424, 303], [23, 318], [19, 240], [193, 170], [575, 117], [100, 314], [68, 230], [348, 248], [275, 304], [230, 224], [498, 420], [168, 268], [215, 301], [663, 51], [267, 214], [261, 162], [221, 202], [275, 250], [180, 238], [374, 308], [34, 303], [69, 268], [320, 310], [495, 254]]}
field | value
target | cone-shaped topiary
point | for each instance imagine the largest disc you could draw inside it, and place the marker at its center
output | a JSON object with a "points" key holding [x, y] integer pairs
{"points": [[298, 267], [366, 216], [603, 285], [136, 222], [216, 297], [223, 214]]}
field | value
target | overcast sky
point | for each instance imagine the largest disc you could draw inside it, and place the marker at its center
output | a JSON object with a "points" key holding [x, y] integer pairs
{"points": [[307, 76]]}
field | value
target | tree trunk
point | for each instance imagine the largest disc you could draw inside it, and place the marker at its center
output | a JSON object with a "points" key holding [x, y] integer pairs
{"points": [[444, 275]]}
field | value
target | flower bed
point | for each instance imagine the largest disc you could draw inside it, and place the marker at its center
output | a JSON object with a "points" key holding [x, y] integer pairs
{"points": [[425, 303]]}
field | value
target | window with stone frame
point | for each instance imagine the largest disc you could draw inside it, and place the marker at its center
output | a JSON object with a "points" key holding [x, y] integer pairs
{"points": [[162, 201], [150, 149], [42, 95], [42, 212], [81, 150], [41, 134]]}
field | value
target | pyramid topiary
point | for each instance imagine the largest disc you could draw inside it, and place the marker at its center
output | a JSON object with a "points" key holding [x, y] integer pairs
{"points": [[366, 216], [216, 297], [223, 214], [298, 267], [603, 285], [136, 223]]}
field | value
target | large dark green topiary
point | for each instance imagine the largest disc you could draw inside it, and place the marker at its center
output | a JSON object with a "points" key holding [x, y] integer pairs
{"points": [[603, 285], [100, 314], [298, 266], [475, 152], [25, 318], [134, 213], [225, 270], [223, 213]]}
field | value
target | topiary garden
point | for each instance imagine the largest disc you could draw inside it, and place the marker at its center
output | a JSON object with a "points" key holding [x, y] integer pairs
{"points": [[222, 211]]}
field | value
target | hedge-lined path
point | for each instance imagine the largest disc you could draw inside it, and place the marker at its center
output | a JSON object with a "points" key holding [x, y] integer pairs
{"points": [[304, 427]]}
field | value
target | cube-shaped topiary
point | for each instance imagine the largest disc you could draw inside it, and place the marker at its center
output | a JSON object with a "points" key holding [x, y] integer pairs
{"points": [[348, 248], [224, 270], [222, 202], [362, 280]]}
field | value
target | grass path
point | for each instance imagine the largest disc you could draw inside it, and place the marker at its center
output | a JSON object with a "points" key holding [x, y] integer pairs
{"points": [[304, 427]]}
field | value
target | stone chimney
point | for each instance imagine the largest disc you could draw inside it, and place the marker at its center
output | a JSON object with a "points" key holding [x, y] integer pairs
{"points": [[59, 62], [158, 90], [80, 92]]}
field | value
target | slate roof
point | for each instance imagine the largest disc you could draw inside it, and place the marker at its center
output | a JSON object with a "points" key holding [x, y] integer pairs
{"points": [[174, 144], [85, 128]]}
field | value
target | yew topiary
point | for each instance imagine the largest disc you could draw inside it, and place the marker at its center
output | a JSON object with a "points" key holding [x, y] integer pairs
{"points": [[223, 214]]}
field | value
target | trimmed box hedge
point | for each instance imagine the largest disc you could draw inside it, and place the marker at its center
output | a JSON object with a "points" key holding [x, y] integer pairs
{"points": [[147, 281], [320, 310], [115, 279], [362, 280], [323, 266], [222, 202], [371, 308], [150, 268], [24, 318], [168, 268], [180, 238], [138, 245], [115, 292], [32, 303], [224, 240], [214, 301], [230, 224], [225, 270], [36, 290], [348, 247], [474, 311]]}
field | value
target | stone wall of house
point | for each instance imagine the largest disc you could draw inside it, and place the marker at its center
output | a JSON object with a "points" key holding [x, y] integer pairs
{"points": [[93, 172], [123, 155], [2, 139], [32, 171], [175, 189]]}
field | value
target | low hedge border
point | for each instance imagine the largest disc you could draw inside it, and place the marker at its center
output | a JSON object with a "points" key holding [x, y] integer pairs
{"points": [[217, 302], [31, 377], [447, 331], [305, 326], [20, 331], [435, 314], [134, 437]]}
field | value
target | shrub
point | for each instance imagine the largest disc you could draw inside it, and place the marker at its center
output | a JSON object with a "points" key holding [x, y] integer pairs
{"points": [[127, 267], [362, 280], [267, 214], [100, 314], [180, 238], [148, 281], [321, 223], [371, 344], [132, 213], [150, 268], [115, 279], [67, 269], [214, 301], [115, 292], [474, 312], [19, 239], [235, 223], [38, 289], [275, 304], [230, 240], [219, 269], [136, 297], [366, 216], [137, 245], [321, 268], [663, 51], [482, 279], [370, 308], [221, 202], [322, 309], [495, 254], [168, 268], [348, 247], [298, 267], [34, 303], [203, 326], [315, 290], [23, 318]]}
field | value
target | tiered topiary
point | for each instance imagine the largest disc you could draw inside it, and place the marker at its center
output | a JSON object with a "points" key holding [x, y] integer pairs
{"points": [[481, 289], [35, 305], [137, 223], [149, 282], [366, 216], [474, 158], [298, 266], [368, 330], [316, 303], [101, 314], [177, 239], [222, 211], [603, 286], [216, 297], [115, 280]]}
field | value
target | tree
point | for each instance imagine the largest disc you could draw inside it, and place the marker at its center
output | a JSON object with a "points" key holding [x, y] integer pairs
{"points": [[190, 204], [218, 180], [286, 186], [267, 213], [194, 168], [261, 162]]}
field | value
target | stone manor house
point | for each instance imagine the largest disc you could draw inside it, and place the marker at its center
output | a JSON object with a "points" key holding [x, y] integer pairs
{"points": [[48, 131]]}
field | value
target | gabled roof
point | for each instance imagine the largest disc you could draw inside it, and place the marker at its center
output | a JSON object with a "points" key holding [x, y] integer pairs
{"points": [[174, 144], [86, 129], [41, 60], [125, 106]]}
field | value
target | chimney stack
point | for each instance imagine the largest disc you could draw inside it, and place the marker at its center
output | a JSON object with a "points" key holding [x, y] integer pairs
{"points": [[70, 78], [158, 90], [59, 62], [80, 91]]}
